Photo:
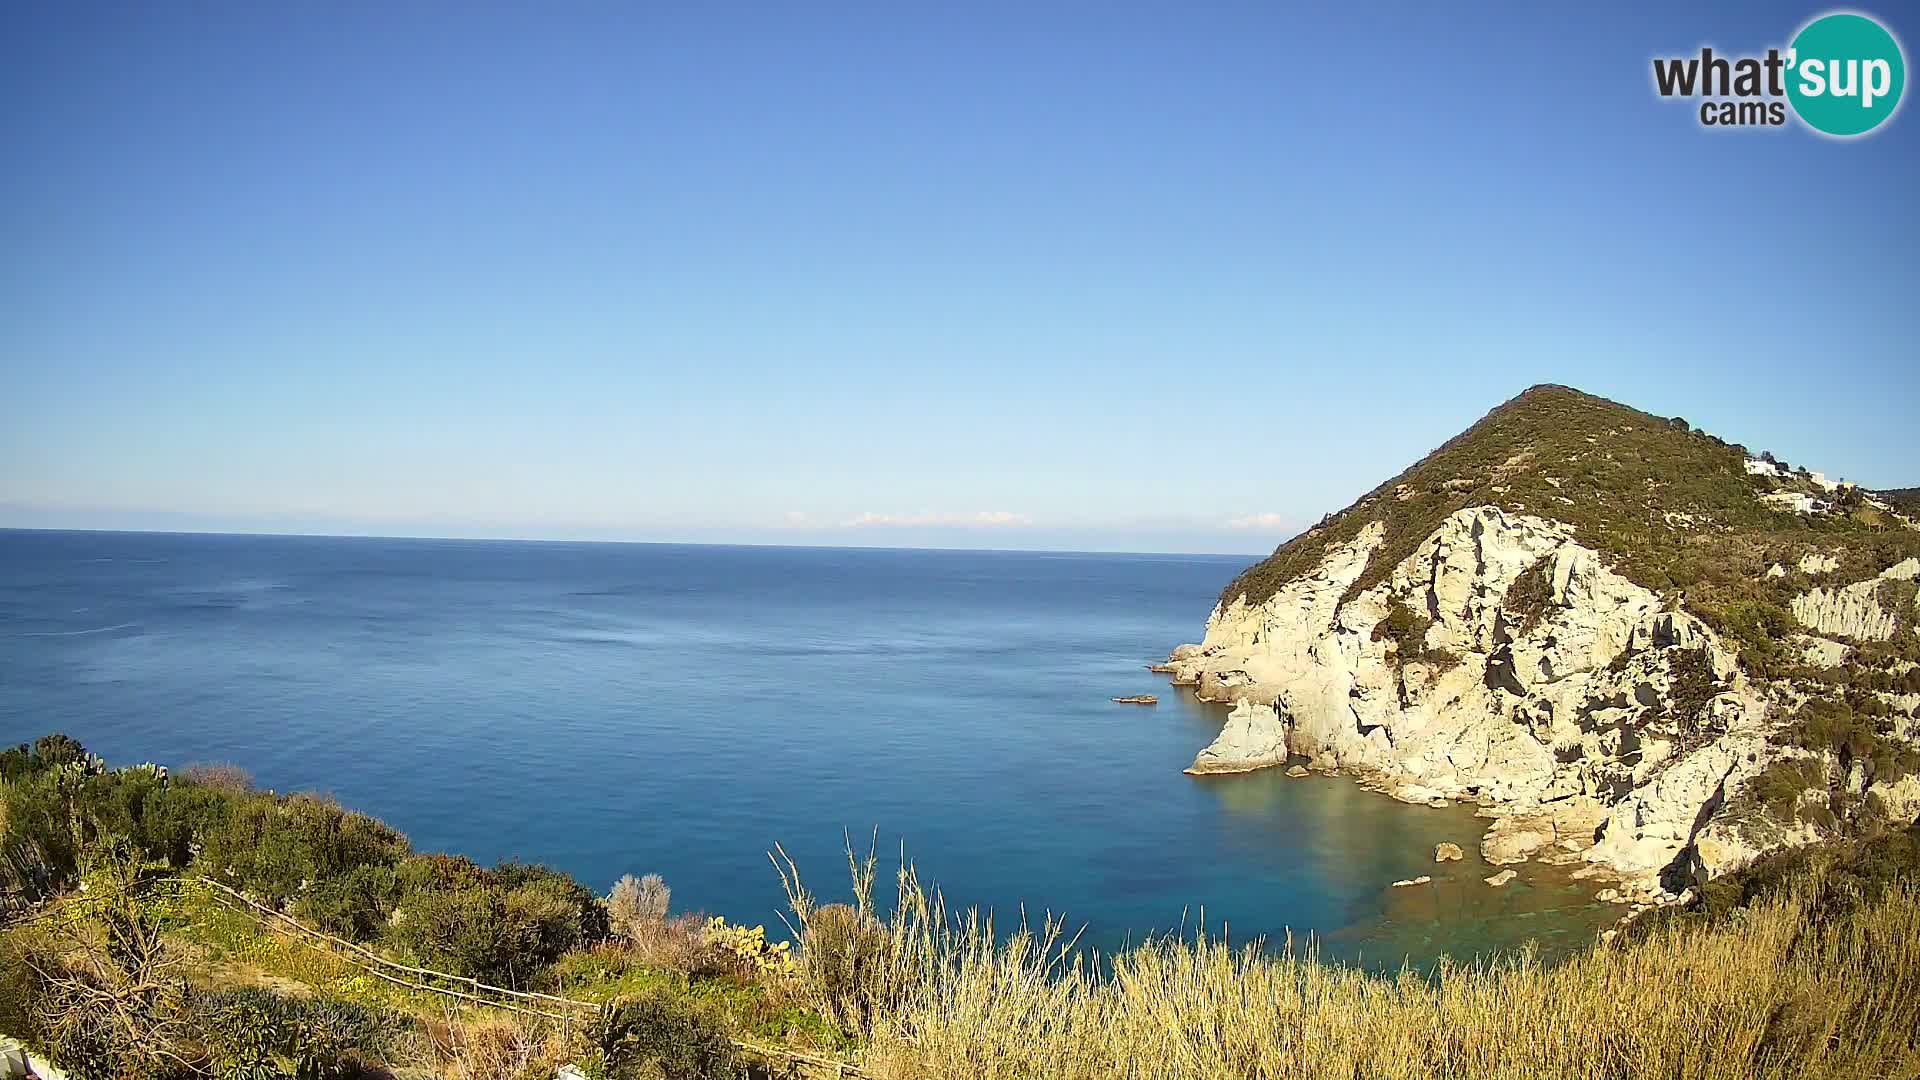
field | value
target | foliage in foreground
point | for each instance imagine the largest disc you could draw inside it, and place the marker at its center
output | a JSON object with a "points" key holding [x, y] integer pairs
{"points": [[1810, 969], [69, 983], [96, 984], [1807, 964]]}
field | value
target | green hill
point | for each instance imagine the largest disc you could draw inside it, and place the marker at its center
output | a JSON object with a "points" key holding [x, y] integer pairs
{"points": [[1676, 509]]}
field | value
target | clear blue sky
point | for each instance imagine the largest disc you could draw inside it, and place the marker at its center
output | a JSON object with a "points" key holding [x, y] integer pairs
{"points": [[1083, 275]]}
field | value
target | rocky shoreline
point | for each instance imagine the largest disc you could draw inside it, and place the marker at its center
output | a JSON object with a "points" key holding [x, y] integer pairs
{"points": [[1593, 724]]}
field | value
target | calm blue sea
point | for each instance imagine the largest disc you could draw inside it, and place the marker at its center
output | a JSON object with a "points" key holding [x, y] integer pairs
{"points": [[616, 708]]}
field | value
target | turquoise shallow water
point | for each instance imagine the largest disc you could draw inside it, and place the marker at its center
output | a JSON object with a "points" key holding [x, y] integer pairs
{"points": [[615, 708]]}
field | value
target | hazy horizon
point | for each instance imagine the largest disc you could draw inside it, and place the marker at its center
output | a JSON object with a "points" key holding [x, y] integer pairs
{"points": [[482, 537]]}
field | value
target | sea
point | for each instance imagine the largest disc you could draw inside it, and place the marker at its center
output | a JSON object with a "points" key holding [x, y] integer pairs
{"points": [[611, 708]]}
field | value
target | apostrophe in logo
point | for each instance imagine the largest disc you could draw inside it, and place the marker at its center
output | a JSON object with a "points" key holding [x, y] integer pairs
{"points": [[1842, 76], [1845, 74]]}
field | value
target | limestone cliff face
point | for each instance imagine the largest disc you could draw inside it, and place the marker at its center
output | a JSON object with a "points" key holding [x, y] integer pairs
{"points": [[1562, 710], [1855, 610], [1253, 738], [1517, 619]]}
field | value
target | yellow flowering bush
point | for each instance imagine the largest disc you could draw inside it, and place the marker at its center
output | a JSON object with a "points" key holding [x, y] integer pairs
{"points": [[749, 945]]}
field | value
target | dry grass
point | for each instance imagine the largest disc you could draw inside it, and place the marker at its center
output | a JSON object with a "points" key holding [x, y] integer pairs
{"points": [[498, 1047], [1782, 991], [220, 775]]}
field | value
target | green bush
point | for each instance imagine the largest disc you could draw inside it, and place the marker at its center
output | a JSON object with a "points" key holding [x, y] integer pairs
{"points": [[1406, 629], [1853, 728], [23, 955], [1692, 692], [434, 871], [272, 847], [256, 1034], [559, 913], [659, 1035], [1527, 598], [500, 925], [45, 754], [462, 930], [355, 904], [1847, 872], [1778, 788], [178, 820]]}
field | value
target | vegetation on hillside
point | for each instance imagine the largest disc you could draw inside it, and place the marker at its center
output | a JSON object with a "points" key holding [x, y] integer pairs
{"points": [[140, 976], [1815, 978], [1806, 965], [1673, 507], [1905, 500]]}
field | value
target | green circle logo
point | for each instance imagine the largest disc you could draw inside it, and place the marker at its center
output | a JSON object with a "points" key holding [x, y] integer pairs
{"points": [[1845, 74]]}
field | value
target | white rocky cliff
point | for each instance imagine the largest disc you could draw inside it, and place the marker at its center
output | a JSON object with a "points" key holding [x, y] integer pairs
{"points": [[1855, 610], [1588, 716]]}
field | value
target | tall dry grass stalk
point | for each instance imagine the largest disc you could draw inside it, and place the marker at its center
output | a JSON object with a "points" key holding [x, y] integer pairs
{"points": [[1795, 987]]}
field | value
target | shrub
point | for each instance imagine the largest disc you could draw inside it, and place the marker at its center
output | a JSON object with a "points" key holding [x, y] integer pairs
{"points": [[1856, 730], [1757, 627], [178, 821], [1779, 787], [274, 847], [677, 944], [103, 1002], [258, 1033], [353, 905], [1845, 874], [661, 1035], [500, 925], [550, 912], [463, 931], [47, 753], [848, 961], [501, 1046], [220, 776], [1407, 631], [635, 902], [23, 956], [1527, 598], [1692, 692], [435, 871]]}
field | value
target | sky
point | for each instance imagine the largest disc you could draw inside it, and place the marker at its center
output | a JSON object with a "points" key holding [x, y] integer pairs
{"points": [[1113, 276]]}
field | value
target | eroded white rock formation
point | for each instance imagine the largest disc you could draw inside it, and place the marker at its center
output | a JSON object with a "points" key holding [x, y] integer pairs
{"points": [[1252, 739], [1565, 717], [1855, 610]]}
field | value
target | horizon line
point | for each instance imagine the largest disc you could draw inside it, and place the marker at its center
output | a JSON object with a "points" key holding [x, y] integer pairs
{"points": [[632, 543]]}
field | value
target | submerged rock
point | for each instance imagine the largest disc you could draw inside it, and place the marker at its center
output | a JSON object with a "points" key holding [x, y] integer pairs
{"points": [[1514, 839]]}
